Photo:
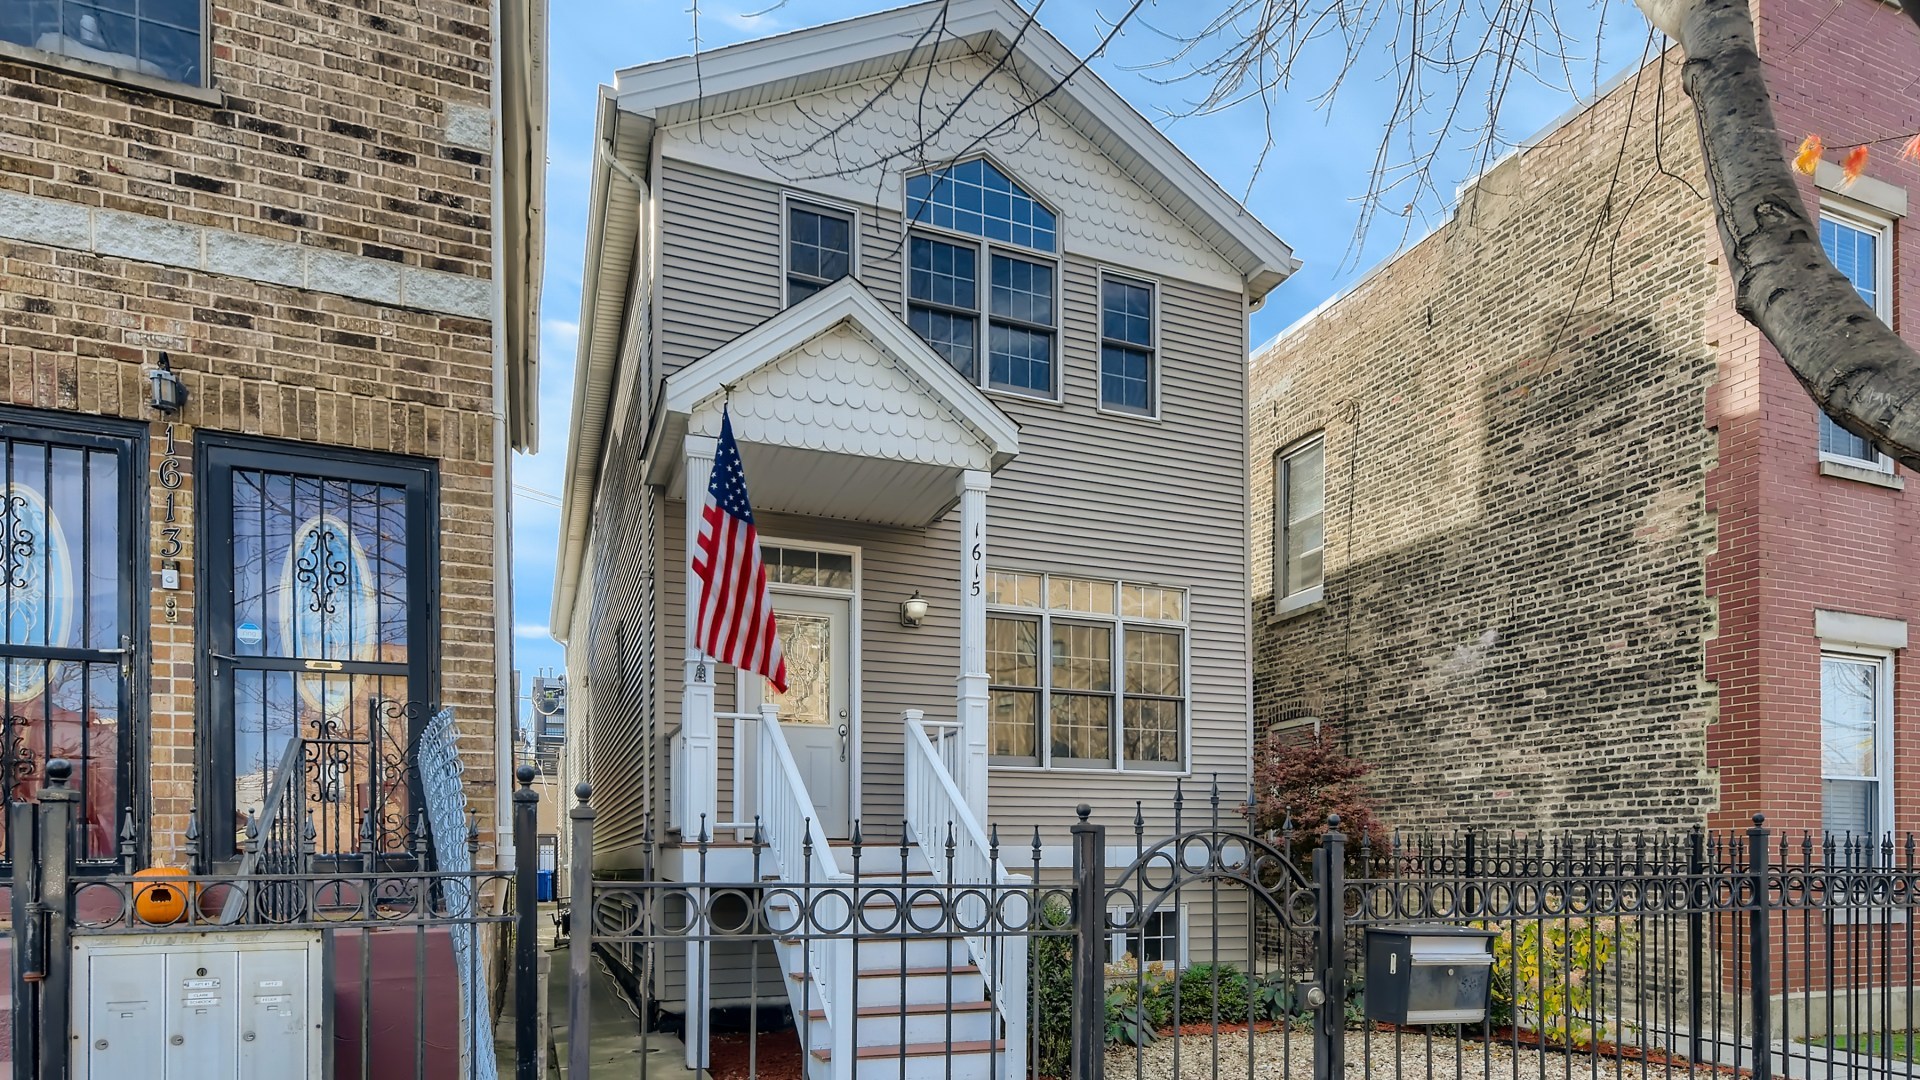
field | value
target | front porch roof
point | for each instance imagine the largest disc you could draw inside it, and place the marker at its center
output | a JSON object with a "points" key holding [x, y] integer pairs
{"points": [[841, 411]]}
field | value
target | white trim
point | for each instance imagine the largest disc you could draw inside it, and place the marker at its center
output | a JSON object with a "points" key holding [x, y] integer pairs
{"points": [[1312, 594], [789, 199], [845, 299], [1844, 628], [145, 238], [1883, 735], [1043, 616], [1153, 284], [821, 54]]}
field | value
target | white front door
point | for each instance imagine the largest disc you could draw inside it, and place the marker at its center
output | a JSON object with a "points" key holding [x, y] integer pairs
{"points": [[815, 637]]}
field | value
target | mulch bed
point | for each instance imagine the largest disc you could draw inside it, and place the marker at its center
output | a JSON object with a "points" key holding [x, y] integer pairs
{"points": [[776, 1057]]}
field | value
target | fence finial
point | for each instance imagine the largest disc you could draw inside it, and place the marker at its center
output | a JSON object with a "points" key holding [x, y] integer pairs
{"points": [[583, 791], [1084, 811]]}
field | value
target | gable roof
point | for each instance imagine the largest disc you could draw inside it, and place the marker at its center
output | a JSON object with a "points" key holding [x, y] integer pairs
{"points": [[803, 61]]}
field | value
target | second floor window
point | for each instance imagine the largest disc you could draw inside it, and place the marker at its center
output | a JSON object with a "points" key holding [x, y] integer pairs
{"points": [[819, 249], [1855, 715], [1126, 345], [162, 39], [1299, 512], [1000, 332], [1858, 247]]}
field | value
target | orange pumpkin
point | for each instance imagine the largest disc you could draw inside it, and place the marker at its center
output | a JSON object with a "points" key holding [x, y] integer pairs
{"points": [[161, 903]]}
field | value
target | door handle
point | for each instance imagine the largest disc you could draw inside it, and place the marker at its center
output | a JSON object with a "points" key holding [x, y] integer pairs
{"points": [[843, 740]]}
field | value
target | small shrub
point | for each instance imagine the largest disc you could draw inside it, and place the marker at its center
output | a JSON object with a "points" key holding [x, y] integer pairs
{"points": [[1546, 974], [1050, 971], [1202, 986]]}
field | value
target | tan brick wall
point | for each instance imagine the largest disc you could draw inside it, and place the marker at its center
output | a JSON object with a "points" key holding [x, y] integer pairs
{"points": [[1516, 615], [341, 129]]}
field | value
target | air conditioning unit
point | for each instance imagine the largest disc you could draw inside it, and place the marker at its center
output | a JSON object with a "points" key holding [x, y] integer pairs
{"points": [[230, 1004]]}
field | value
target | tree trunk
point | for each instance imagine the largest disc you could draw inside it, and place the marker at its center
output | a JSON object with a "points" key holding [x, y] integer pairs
{"points": [[1853, 364]]}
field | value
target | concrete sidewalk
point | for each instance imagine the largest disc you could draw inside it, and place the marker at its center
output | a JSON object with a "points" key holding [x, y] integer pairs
{"points": [[615, 1043]]}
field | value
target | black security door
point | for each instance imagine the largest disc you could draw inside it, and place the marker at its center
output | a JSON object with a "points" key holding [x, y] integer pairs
{"points": [[320, 626], [70, 573]]}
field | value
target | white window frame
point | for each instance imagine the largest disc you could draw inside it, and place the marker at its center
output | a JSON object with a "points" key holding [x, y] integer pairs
{"points": [[985, 250], [1881, 226], [1117, 952], [1100, 338], [1044, 616], [788, 201], [199, 90], [1882, 660], [1313, 594]]}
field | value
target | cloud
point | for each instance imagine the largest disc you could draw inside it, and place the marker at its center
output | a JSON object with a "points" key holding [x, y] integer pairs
{"points": [[532, 630]]}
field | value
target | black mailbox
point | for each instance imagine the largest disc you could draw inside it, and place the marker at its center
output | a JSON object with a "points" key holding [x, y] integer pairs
{"points": [[1428, 974]]}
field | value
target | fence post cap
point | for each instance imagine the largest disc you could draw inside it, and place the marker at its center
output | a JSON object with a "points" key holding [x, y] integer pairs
{"points": [[59, 770], [1084, 811], [583, 791], [525, 775], [1759, 820]]}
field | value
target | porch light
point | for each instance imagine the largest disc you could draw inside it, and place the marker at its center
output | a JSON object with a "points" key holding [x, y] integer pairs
{"points": [[169, 395], [912, 610]]}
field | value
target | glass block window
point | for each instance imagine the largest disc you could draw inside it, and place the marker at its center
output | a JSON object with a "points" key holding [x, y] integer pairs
{"points": [[158, 38], [1111, 692], [976, 198], [819, 249], [1126, 345], [1857, 247]]}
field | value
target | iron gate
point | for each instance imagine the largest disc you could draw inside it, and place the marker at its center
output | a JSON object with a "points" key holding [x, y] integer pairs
{"points": [[1220, 952]]}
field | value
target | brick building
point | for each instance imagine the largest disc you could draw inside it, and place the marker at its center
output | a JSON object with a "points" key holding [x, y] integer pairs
{"points": [[1560, 541], [324, 221]]}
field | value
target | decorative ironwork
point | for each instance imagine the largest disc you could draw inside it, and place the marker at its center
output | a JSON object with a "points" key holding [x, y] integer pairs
{"points": [[17, 540], [322, 568]]}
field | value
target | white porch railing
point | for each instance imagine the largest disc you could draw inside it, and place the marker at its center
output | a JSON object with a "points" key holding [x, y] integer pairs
{"points": [[937, 813], [803, 858]]}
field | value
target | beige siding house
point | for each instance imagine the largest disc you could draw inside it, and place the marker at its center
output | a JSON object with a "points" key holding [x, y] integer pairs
{"points": [[988, 377]]}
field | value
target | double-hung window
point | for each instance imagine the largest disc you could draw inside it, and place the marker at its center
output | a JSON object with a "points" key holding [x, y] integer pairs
{"points": [[1856, 754], [1127, 368], [161, 39], [1860, 247], [819, 249], [982, 280], [1085, 673], [1155, 939], [1299, 501]]}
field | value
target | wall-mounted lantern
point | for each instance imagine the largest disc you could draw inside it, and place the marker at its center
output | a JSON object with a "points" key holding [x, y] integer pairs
{"points": [[912, 610], [1428, 974], [169, 394]]}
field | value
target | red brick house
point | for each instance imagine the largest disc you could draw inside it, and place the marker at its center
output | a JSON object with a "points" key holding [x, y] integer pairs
{"points": [[1594, 558]]}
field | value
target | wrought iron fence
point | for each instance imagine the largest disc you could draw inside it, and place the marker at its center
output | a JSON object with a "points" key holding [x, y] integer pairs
{"points": [[413, 961], [1216, 950]]}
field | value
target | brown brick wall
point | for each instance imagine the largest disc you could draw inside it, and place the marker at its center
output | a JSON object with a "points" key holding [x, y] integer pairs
{"points": [[334, 132], [1515, 616], [343, 129]]}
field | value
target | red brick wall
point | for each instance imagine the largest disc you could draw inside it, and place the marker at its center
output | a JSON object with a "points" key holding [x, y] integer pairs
{"points": [[1792, 540]]}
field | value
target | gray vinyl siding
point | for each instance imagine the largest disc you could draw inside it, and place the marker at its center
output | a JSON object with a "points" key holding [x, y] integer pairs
{"points": [[1091, 493]]}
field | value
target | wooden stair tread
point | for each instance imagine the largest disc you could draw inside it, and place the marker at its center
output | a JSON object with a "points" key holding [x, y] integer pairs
{"points": [[938, 1008], [939, 1049], [895, 973]]}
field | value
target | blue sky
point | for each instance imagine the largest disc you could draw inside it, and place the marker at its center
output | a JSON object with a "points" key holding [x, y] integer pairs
{"points": [[1306, 192]]}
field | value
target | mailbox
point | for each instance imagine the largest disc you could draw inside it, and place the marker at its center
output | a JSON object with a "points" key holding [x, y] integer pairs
{"points": [[1428, 974]]}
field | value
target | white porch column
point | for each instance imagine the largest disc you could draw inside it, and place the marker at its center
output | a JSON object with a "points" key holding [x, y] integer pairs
{"points": [[702, 764], [973, 641]]}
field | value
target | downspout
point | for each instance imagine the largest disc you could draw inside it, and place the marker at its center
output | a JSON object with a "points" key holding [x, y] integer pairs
{"points": [[503, 696]]}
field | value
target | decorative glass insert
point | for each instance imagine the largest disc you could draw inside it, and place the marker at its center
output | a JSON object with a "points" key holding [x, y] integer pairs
{"points": [[819, 249], [1126, 345], [943, 299], [1855, 252], [158, 38], [65, 578], [806, 640], [975, 197]]}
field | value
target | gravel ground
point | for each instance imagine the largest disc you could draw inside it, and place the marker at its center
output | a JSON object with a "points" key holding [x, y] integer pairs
{"points": [[1289, 1056]]}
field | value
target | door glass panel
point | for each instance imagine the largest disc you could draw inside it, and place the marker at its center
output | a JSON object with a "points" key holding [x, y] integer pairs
{"points": [[806, 640], [65, 577]]}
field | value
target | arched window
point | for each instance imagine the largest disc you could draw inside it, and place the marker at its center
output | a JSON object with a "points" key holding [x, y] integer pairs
{"points": [[945, 301]]}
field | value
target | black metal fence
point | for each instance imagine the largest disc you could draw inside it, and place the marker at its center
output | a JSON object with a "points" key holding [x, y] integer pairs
{"points": [[409, 963], [1217, 951]]}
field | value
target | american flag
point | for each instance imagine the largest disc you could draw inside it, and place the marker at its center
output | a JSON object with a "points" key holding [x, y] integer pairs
{"points": [[735, 623]]}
